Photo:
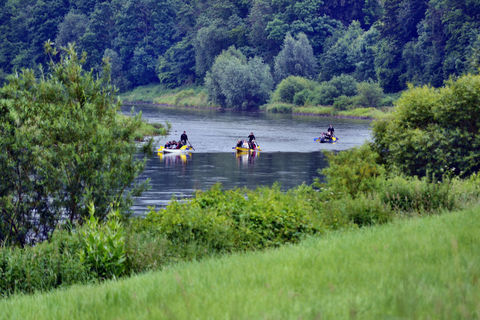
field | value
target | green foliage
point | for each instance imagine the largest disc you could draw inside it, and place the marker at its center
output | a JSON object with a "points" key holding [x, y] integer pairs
{"points": [[417, 195], [236, 83], [433, 132], [226, 220], [63, 145], [295, 59], [103, 249], [278, 108], [48, 265], [370, 94], [360, 211], [289, 87], [343, 103], [352, 172]]}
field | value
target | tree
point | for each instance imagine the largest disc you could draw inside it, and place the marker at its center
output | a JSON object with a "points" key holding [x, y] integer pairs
{"points": [[63, 147], [295, 59], [370, 94], [71, 29], [433, 131], [209, 42], [233, 82], [177, 65]]}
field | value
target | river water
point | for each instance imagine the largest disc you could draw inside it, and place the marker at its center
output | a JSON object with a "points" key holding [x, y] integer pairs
{"points": [[289, 155]]}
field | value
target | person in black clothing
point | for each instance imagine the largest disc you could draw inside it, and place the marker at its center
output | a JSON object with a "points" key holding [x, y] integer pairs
{"points": [[330, 131], [184, 138], [251, 141]]}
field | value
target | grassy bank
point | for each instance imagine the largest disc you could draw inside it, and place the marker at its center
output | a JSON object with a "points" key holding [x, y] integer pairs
{"points": [[412, 269], [196, 97], [189, 97], [362, 113], [149, 130]]}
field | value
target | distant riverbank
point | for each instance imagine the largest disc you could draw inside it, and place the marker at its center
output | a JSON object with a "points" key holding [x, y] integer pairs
{"points": [[196, 98]]}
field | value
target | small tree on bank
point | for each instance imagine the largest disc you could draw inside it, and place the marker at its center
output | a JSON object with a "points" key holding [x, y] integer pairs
{"points": [[233, 82], [63, 147], [433, 131]]}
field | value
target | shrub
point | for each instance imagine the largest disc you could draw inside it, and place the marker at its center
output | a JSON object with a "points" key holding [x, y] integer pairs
{"points": [[343, 103], [289, 87], [416, 195], [219, 220], [352, 171], [324, 94], [346, 85], [351, 212], [301, 97], [370, 94], [51, 264]]}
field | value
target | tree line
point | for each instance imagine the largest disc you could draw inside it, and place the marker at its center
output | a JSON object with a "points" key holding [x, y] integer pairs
{"points": [[176, 42]]}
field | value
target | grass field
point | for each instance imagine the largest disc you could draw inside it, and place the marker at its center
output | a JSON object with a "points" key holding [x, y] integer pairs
{"points": [[421, 268]]}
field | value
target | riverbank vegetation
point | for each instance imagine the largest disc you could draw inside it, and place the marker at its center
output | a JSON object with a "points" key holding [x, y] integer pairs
{"points": [[358, 193], [63, 146], [416, 268]]}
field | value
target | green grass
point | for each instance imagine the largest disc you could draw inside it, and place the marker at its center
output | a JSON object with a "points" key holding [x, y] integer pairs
{"points": [[144, 93], [192, 96], [149, 129], [421, 268], [280, 107], [318, 110]]}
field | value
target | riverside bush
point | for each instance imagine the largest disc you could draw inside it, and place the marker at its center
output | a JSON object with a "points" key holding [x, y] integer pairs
{"points": [[414, 194], [226, 220], [51, 264]]}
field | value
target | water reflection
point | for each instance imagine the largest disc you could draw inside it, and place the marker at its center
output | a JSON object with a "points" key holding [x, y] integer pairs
{"points": [[174, 159], [246, 158]]}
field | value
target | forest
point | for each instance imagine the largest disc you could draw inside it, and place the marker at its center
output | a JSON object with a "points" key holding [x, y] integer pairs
{"points": [[176, 42]]}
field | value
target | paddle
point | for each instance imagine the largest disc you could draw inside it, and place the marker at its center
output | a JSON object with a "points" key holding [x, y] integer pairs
{"points": [[190, 145]]}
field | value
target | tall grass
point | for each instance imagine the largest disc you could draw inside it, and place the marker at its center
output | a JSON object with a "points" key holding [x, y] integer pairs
{"points": [[415, 269], [190, 96]]}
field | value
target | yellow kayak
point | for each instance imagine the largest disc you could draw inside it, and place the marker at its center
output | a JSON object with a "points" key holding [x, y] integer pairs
{"points": [[240, 149]]}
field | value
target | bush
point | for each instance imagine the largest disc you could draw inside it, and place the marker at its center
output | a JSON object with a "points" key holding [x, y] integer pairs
{"points": [[301, 98], [219, 220], [433, 131], [343, 103], [352, 171], [416, 195], [289, 87], [355, 212], [48, 265], [370, 94], [324, 94], [346, 85]]}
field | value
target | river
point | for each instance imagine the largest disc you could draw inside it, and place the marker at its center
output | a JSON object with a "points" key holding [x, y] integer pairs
{"points": [[289, 155]]}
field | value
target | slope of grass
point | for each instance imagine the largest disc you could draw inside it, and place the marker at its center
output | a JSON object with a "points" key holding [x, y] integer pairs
{"points": [[424, 268]]}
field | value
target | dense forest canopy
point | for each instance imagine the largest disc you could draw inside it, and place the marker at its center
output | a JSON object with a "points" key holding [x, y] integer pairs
{"points": [[176, 42]]}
